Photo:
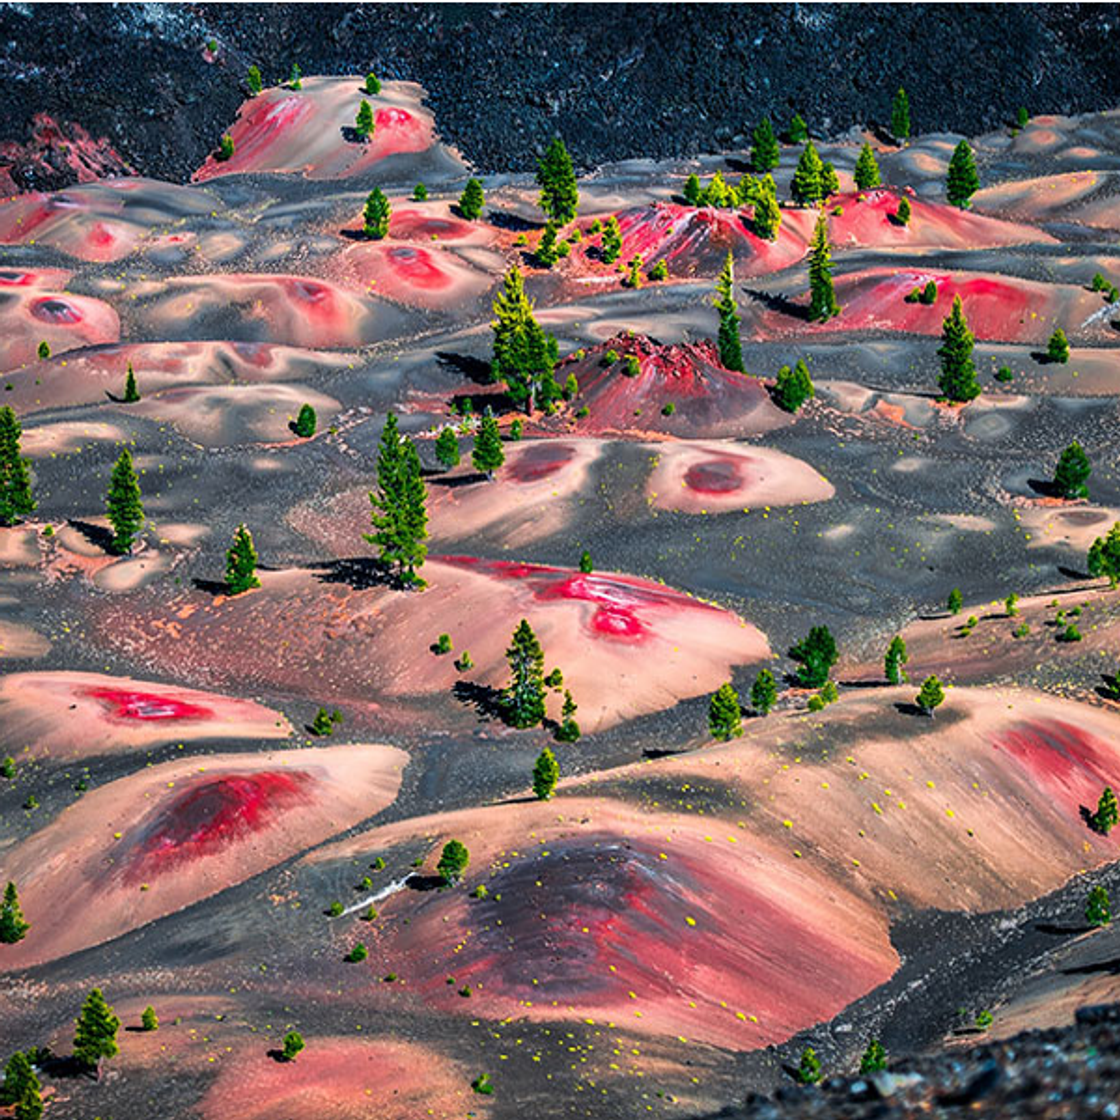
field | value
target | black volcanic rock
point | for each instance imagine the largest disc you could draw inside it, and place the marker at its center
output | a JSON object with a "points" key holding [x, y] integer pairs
{"points": [[617, 81]]}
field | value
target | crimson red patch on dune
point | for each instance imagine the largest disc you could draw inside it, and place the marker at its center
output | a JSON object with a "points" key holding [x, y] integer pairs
{"points": [[211, 815], [707, 399], [80, 714], [416, 275]]}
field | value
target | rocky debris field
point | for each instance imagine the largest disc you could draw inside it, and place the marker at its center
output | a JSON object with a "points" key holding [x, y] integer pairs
{"points": [[617, 81]]}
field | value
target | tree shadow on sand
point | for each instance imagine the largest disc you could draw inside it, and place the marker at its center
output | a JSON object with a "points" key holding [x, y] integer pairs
{"points": [[425, 883], [474, 369], [781, 304], [503, 219], [97, 535], [485, 700], [1055, 929], [1097, 968], [358, 573], [908, 709], [213, 587]]}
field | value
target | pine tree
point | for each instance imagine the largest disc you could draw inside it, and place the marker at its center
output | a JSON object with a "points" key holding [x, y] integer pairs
{"points": [[822, 295], [956, 601], [295, 79], [634, 272], [15, 476], [399, 510], [253, 80], [363, 123], [793, 387], [472, 200], [1072, 472], [867, 169], [524, 355], [149, 1020], [20, 1081], [725, 714], [568, 731], [764, 147], [523, 698], [131, 393], [306, 422], [806, 186], [809, 1068], [692, 192], [293, 1044], [1104, 556], [377, 214], [546, 255], [895, 659], [764, 692], [453, 861], [44, 350], [797, 132], [447, 448], [225, 148], [1057, 349], [546, 773], [816, 654], [126, 511], [419, 192], [930, 696], [962, 181], [96, 1036], [874, 1058], [730, 344], [900, 116], [487, 454], [902, 214], [830, 181], [556, 177], [958, 372], [241, 563], [611, 242], [30, 1105], [373, 85], [1107, 814], [767, 213], [13, 928], [1098, 908]]}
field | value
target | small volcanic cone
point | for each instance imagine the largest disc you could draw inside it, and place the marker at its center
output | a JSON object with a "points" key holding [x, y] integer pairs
{"points": [[707, 398]]}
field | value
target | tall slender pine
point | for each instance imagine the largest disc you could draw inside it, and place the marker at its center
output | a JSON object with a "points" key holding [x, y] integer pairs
{"points": [[822, 295], [958, 372], [764, 149], [125, 509], [730, 344], [399, 506], [16, 500], [556, 177], [900, 115]]}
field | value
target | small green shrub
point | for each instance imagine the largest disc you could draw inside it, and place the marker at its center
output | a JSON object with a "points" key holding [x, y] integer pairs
{"points": [[633, 366], [443, 644], [610, 357], [358, 953], [668, 409]]}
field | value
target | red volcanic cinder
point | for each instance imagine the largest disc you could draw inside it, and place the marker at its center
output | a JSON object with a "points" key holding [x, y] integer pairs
{"points": [[129, 705], [209, 815]]}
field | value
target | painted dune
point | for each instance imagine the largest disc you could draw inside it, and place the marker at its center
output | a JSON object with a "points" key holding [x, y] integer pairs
{"points": [[598, 911], [29, 316], [1000, 308], [348, 1079], [719, 477], [99, 222], [533, 495], [96, 375], [266, 307], [153, 843], [310, 131], [627, 646], [68, 715]]}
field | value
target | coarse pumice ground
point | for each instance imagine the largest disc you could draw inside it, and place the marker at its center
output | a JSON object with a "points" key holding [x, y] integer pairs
{"points": [[215, 799]]}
